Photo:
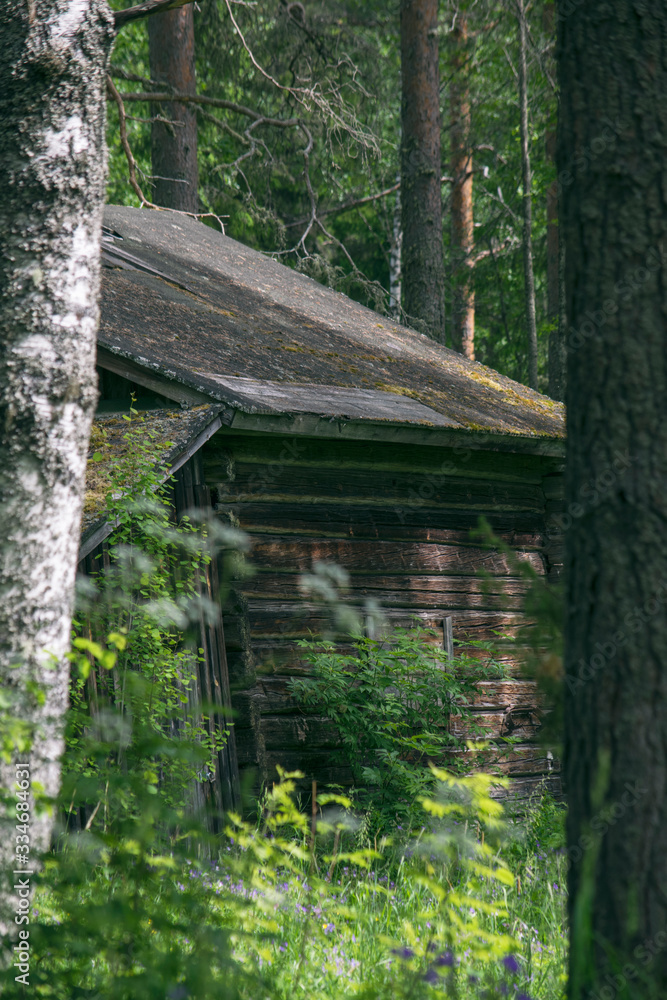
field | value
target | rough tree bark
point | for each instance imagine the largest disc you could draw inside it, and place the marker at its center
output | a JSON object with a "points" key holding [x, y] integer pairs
{"points": [[461, 206], [526, 176], [395, 259], [174, 146], [421, 200], [613, 74], [52, 151], [555, 251]]}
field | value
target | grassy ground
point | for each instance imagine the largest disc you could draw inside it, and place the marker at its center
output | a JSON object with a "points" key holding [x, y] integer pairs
{"points": [[266, 921]]}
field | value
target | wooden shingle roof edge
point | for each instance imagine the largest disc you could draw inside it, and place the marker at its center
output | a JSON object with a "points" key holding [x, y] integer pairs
{"points": [[175, 436], [197, 316]]}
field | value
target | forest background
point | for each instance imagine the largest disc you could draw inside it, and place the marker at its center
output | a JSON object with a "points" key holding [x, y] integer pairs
{"points": [[299, 151]]}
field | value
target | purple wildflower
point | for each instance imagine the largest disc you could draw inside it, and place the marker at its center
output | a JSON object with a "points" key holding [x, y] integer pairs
{"points": [[403, 952], [431, 976], [511, 963], [446, 958], [523, 996]]}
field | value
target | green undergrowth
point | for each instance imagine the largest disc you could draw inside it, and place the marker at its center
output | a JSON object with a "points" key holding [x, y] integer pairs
{"points": [[413, 885], [467, 906]]}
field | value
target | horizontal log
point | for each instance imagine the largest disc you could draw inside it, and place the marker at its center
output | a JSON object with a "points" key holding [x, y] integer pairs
{"points": [[452, 593], [506, 693], [553, 486], [418, 521], [292, 620], [521, 724], [281, 655], [287, 553], [272, 696], [285, 732], [522, 790], [516, 760], [381, 456], [373, 486]]}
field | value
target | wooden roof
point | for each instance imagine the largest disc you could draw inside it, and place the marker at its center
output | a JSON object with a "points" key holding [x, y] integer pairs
{"points": [[201, 317]]}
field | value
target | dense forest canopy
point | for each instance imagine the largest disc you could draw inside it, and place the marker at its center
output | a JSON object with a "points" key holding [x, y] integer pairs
{"points": [[328, 77]]}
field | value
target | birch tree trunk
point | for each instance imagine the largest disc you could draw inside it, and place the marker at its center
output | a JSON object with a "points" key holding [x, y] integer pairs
{"points": [[421, 197], [529, 277], [462, 227], [612, 130], [171, 37], [53, 162]]}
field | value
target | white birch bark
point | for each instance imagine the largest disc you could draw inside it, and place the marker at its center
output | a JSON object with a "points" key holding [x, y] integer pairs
{"points": [[53, 171]]}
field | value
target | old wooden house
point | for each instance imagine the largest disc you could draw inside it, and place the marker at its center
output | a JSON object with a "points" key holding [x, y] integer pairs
{"points": [[326, 432]]}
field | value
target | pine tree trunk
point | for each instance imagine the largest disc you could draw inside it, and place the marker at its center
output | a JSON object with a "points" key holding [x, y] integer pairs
{"points": [[613, 81], [462, 231], [555, 255], [171, 38], [423, 269], [395, 260], [526, 174], [52, 151]]}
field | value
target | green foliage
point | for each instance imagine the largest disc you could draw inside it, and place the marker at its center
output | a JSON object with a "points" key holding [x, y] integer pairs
{"points": [[136, 711], [280, 912], [391, 701], [341, 61], [139, 900]]}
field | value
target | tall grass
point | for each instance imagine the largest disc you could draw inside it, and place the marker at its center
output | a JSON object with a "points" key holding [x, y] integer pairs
{"points": [[445, 911]]}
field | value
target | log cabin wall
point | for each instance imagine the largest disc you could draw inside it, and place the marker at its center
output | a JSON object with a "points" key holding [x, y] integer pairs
{"points": [[399, 519]]}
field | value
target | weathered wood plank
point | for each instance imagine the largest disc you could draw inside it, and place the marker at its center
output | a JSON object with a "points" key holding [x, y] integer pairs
{"points": [[521, 724], [272, 696], [414, 522], [269, 450], [312, 484], [383, 558], [416, 592], [520, 759], [523, 789], [506, 693]]}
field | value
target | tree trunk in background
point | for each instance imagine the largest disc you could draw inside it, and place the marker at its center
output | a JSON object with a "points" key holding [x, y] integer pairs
{"points": [[421, 201], [53, 156], [462, 231], [611, 155], [171, 39], [529, 277], [395, 260], [555, 248]]}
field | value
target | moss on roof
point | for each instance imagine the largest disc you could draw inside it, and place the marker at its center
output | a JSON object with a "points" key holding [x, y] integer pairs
{"points": [[226, 310], [170, 431]]}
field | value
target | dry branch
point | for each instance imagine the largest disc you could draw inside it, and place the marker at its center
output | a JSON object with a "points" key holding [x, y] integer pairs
{"points": [[122, 17], [131, 162], [213, 102]]}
